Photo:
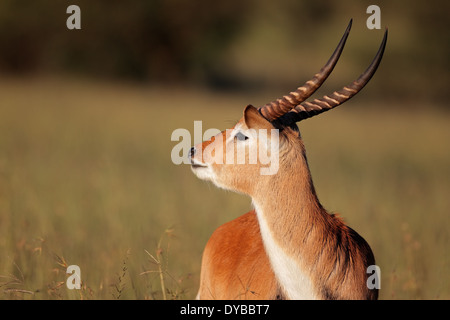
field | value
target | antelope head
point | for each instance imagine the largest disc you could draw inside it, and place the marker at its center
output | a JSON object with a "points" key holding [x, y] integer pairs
{"points": [[271, 132]]}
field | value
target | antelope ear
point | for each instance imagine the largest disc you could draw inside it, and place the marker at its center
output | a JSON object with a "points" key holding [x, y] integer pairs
{"points": [[254, 120]]}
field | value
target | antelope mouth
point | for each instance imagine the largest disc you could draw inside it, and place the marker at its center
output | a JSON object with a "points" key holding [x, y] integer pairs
{"points": [[197, 165], [202, 171]]}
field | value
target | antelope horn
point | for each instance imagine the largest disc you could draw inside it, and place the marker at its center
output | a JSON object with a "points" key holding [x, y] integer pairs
{"points": [[308, 109], [279, 107]]}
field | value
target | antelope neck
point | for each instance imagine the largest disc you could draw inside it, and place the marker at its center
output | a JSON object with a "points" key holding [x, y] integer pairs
{"points": [[286, 219]]}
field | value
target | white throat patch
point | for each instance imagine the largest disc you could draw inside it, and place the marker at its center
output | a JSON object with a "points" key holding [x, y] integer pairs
{"points": [[293, 281]]}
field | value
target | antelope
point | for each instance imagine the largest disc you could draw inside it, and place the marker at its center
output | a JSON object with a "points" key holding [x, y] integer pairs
{"points": [[289, 246]]}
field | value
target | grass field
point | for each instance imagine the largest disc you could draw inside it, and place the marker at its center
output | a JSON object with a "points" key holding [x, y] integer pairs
{"points": [[86, 179]]}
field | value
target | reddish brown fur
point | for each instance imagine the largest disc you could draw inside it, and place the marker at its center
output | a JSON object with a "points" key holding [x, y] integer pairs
{"points": [[226, 277]]}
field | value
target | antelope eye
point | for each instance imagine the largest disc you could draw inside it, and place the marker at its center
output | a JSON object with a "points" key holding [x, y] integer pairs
{"points": [[240, 136]]}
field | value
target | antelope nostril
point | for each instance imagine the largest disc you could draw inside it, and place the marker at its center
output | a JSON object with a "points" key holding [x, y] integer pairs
{"points": [[192, 152]]}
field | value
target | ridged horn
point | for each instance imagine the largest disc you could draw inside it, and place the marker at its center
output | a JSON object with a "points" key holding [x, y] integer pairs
{"points": [[275, 109], [309, 109]]}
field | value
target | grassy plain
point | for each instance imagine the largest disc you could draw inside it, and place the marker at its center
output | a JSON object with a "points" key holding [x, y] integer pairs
{"points": [[86, 179]]}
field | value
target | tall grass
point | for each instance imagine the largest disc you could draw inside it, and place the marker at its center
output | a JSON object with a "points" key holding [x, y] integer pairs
{"points": [[86, 178]]}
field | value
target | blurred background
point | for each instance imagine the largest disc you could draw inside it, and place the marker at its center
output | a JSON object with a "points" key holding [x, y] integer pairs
{"points": [[86, 118], [227, 44]]}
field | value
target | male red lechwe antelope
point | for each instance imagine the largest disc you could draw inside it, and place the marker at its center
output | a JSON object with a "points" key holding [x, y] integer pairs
{"points": [[289, 246]]}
